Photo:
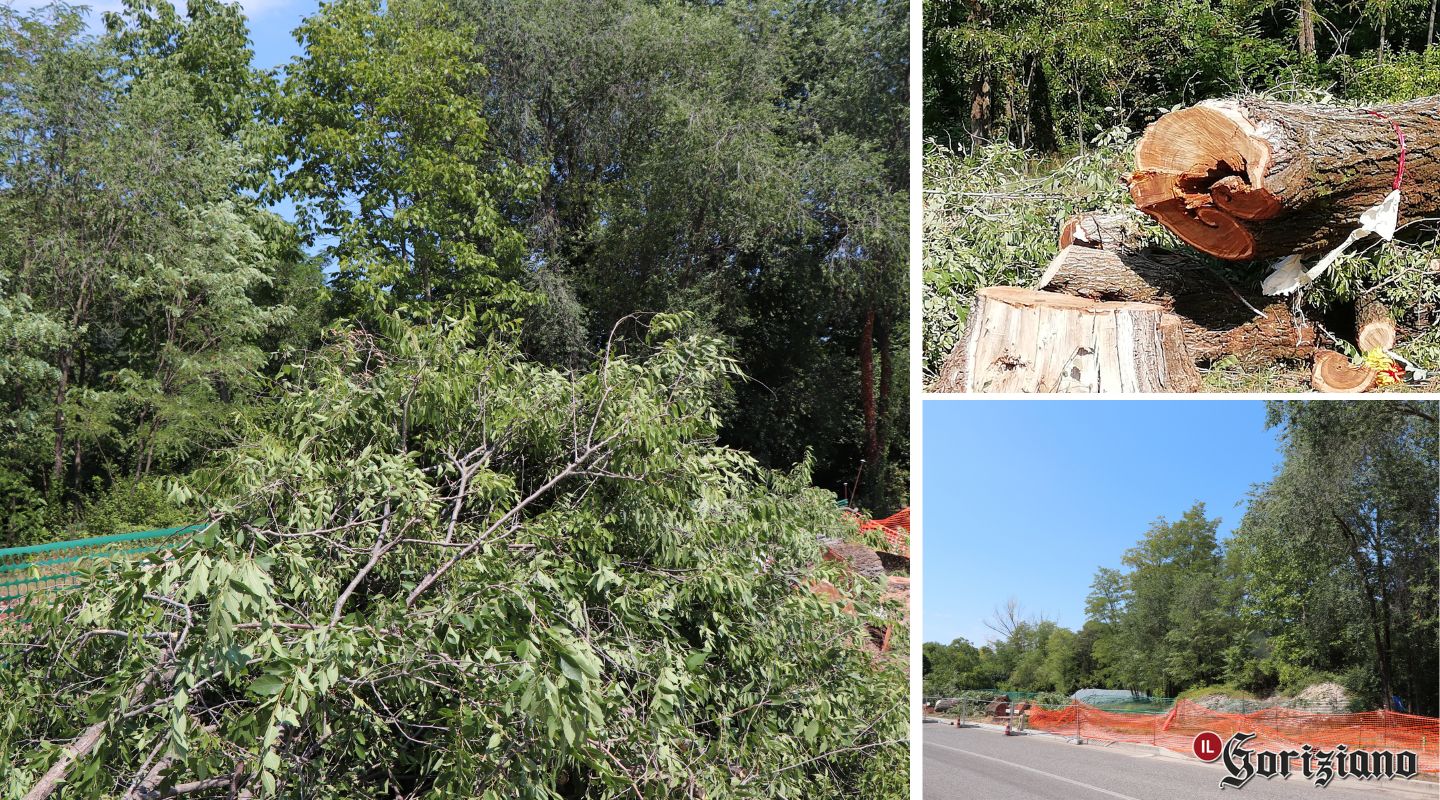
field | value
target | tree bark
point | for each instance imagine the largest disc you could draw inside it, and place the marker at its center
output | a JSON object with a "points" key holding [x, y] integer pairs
{"points": [[1374, 327], [885, 423], [1104, 230], [980, 113], [1214, 317], [1430, 33], [867, 387], [1254, 179], [1305, 40], [1021, 340]]}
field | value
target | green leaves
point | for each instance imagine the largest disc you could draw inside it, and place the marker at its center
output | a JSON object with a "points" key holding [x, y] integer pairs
{"points": [[391, 157], [267, 685]]}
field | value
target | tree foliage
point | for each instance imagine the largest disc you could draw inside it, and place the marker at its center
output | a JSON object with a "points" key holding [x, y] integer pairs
{"points": [[516, 447], [746, 165], [444, 570]]}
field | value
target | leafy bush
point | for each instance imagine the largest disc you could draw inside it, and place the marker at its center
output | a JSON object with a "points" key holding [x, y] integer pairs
{"points": [[24, 520], [441, 570]]}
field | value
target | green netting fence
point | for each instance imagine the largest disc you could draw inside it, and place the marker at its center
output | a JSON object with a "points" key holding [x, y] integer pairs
{"points": [[1133, 703], [46, 567]]}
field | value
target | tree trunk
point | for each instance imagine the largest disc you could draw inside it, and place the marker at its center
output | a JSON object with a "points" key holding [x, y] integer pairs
{"points": [[1306, 38], [1380, 61], [1430, 33], [867, 387], [1254, 179], [1374, 327], [1020, 340], [1215, 319], [57, 468], [887, 378], [980, 114], [1334, 373]]}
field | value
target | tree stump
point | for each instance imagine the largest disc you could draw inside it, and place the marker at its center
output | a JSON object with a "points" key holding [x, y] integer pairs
{"points": [[1216, 319], [1255, 179], [1334, 373], [1019, 340]]}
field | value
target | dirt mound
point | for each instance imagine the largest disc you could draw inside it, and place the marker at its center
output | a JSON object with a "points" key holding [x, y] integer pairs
{"points": [[1329, 698], [1321, 698], [1228, 704]]}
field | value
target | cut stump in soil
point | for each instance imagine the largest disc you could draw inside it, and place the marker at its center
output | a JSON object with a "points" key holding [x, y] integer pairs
{"points": [[1025, 341]]}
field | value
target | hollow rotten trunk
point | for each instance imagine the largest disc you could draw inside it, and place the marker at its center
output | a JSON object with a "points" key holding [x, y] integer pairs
{"points": [[1255, 179], [1020, 340]]}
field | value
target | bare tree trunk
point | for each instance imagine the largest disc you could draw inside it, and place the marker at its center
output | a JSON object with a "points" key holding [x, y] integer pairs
{"points": [[1306, 38], [1430, 34], [981, 105], [1380, 54], [57, 469], [1254, 179], [887, 379], [867, 387]]}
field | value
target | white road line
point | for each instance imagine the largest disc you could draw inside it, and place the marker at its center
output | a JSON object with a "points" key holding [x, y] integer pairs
{"points": [[1032, 769]]}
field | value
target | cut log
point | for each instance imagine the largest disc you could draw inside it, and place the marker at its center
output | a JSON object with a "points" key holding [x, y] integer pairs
{"points": [[1334, 373], [1374, 327], [1216, 320], [858, 557], [1020, 340], [1255, 179], [1104, 230]]}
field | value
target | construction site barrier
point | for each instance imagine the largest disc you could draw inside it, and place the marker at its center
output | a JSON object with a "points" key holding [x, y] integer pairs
{"points": [[47, 567], [895, 529], [1275, 729]]}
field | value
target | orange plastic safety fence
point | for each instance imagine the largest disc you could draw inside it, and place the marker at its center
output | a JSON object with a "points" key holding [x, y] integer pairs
{"points": [[1275, 729], [896, 530]]}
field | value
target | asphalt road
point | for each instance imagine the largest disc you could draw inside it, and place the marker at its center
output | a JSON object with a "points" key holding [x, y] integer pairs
{"points": [[983, 764]]}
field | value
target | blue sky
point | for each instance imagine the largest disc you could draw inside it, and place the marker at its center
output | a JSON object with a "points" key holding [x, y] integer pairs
{"points": [[271, 22], [1026, 498]]}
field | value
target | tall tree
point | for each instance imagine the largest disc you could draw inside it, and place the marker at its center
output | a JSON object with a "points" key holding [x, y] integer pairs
{"points": [[123, 230], [746, 161], [1350, 495], [388, 155]]}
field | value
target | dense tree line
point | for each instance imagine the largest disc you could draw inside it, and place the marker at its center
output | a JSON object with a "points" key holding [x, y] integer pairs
{"points": [[555, 170], [1332, 575], [1050, 75]]}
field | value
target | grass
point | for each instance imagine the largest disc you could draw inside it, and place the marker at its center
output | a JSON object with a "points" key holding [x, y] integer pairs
{"points": [[1220, 689]]}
